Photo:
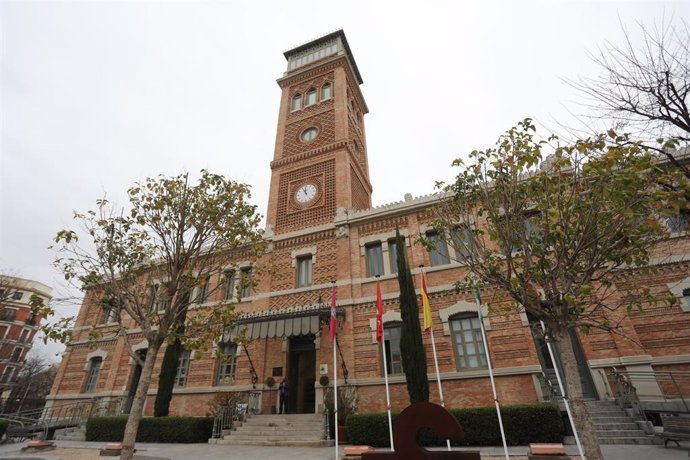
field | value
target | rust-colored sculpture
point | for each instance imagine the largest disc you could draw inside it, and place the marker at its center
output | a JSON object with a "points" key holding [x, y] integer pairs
{"points": [[410, 421]]}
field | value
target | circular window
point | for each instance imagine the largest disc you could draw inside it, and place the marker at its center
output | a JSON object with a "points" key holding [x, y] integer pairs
{"points": [[309, 134]]}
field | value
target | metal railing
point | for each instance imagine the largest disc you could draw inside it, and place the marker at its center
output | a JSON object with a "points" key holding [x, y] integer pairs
{"points": [[226, 417], [625, 393], [40, 423], [549, 392], [674, 386]]}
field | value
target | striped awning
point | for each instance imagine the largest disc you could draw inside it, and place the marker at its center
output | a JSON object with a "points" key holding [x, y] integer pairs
{"points": [[281, 323]]}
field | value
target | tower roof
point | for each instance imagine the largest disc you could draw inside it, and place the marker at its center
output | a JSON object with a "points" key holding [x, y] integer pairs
{"points": [[325, 39]]}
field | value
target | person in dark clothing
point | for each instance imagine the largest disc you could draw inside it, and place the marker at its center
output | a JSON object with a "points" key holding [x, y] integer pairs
{"points": [[283, 392]]}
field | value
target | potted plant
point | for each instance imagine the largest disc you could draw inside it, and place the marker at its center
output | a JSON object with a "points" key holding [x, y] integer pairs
{"points": [[347, 404]]}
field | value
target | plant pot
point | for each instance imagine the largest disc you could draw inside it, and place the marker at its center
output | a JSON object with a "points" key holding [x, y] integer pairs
{"points": [[342, 434]]}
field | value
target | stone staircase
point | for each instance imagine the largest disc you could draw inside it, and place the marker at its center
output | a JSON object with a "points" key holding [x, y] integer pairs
{"points": [[71, 434], [304, 430], [615, 426]]}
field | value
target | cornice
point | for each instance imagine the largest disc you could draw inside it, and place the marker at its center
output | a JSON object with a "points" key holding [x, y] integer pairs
{"points": [[308, 154], [399, 207]]}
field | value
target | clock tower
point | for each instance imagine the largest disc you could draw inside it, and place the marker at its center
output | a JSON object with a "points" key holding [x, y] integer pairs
{"points": [[320, 161]]}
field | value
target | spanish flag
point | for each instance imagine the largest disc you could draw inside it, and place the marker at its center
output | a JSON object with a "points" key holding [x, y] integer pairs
{"points": [[425, 305]]}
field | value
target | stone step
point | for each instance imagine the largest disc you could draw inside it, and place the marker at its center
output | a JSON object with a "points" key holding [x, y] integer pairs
{"points": [[274, 438], [620, 434], [621, 419], [290, 443], [278, 423], [276, 432], [646, 440], [616, 426]]}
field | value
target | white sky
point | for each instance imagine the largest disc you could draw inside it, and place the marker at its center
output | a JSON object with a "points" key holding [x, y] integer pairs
{"points": [[96, 95]]}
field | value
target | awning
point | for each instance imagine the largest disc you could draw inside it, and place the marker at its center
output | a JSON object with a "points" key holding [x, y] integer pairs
{"points": [[281, 323]]}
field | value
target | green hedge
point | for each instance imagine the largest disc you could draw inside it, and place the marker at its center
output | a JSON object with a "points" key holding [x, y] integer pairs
{"points": [[523, 424], [3, 427], [184, 430]]}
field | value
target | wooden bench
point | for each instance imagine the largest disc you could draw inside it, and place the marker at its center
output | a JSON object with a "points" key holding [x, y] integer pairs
{"points": [[675, 429]]}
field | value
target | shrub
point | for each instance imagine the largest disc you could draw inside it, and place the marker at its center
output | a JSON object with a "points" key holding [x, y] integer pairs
{"points": [[523, 424], [3, 427], [184, 430]]}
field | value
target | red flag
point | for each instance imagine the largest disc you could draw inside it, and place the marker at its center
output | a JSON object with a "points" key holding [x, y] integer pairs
{"points": [[379, 313], [333, 323]]}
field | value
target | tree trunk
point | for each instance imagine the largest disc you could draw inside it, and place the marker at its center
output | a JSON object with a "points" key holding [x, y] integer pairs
{"points": [[137, 410], [573, 388]]}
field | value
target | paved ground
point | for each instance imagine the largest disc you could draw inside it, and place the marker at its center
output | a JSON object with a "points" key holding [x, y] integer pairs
{"points": [[213, 452]]}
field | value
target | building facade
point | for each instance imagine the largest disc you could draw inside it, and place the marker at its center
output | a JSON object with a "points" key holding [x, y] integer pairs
{"points": [[321, 228], [18, 326]]}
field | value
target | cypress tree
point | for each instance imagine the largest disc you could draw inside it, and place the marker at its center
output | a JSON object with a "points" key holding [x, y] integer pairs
{"points": [[411, 345], [166, 379]]}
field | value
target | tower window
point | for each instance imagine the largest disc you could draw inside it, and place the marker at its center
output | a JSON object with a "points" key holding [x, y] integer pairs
{"points": [[311, 98], [309, 134], [297, 102], [304, 271], [326, 91]]}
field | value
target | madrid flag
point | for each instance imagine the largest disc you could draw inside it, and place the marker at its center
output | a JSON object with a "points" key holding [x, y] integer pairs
{"points": [[379, 313]]}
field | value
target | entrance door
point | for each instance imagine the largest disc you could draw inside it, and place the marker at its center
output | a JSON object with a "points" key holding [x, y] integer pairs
{"points": [[134, 382], [301, 375], [547, 365]]}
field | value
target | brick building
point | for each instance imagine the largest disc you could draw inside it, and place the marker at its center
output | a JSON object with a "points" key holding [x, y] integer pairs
{"points": [[321, 227], [18, 326]]}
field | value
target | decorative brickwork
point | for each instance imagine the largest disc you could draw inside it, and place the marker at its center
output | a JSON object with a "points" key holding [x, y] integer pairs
{"points": [[322, 119], [291, 218], [360, 197]]}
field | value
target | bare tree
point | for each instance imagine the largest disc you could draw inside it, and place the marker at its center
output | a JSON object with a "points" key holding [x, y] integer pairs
{"points": [[645, 87], [34, 383]]}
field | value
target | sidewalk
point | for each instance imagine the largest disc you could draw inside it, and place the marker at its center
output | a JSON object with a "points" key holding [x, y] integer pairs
{"points": [[213, 452]]}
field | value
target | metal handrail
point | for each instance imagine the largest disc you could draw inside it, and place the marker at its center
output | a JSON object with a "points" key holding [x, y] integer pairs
{"points": [[671, 383]]}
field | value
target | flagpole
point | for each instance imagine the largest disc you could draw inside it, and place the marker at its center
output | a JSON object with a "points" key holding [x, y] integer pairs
{"points": [[478, 300], [560, 385], [425, 304], [334, 325], [379, 313]]}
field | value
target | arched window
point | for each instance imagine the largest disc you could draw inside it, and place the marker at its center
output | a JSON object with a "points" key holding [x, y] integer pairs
{"points": [[296, 102], [226, 363], [311, 98], [467, 342], [93, 371], [326, 92], [391, 339]]}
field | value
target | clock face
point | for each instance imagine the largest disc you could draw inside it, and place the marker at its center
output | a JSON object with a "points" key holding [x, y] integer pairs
{"points": [[306, 193]]}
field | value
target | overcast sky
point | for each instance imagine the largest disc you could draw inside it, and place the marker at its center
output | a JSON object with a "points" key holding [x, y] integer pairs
{"points": [[97, 95]]}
